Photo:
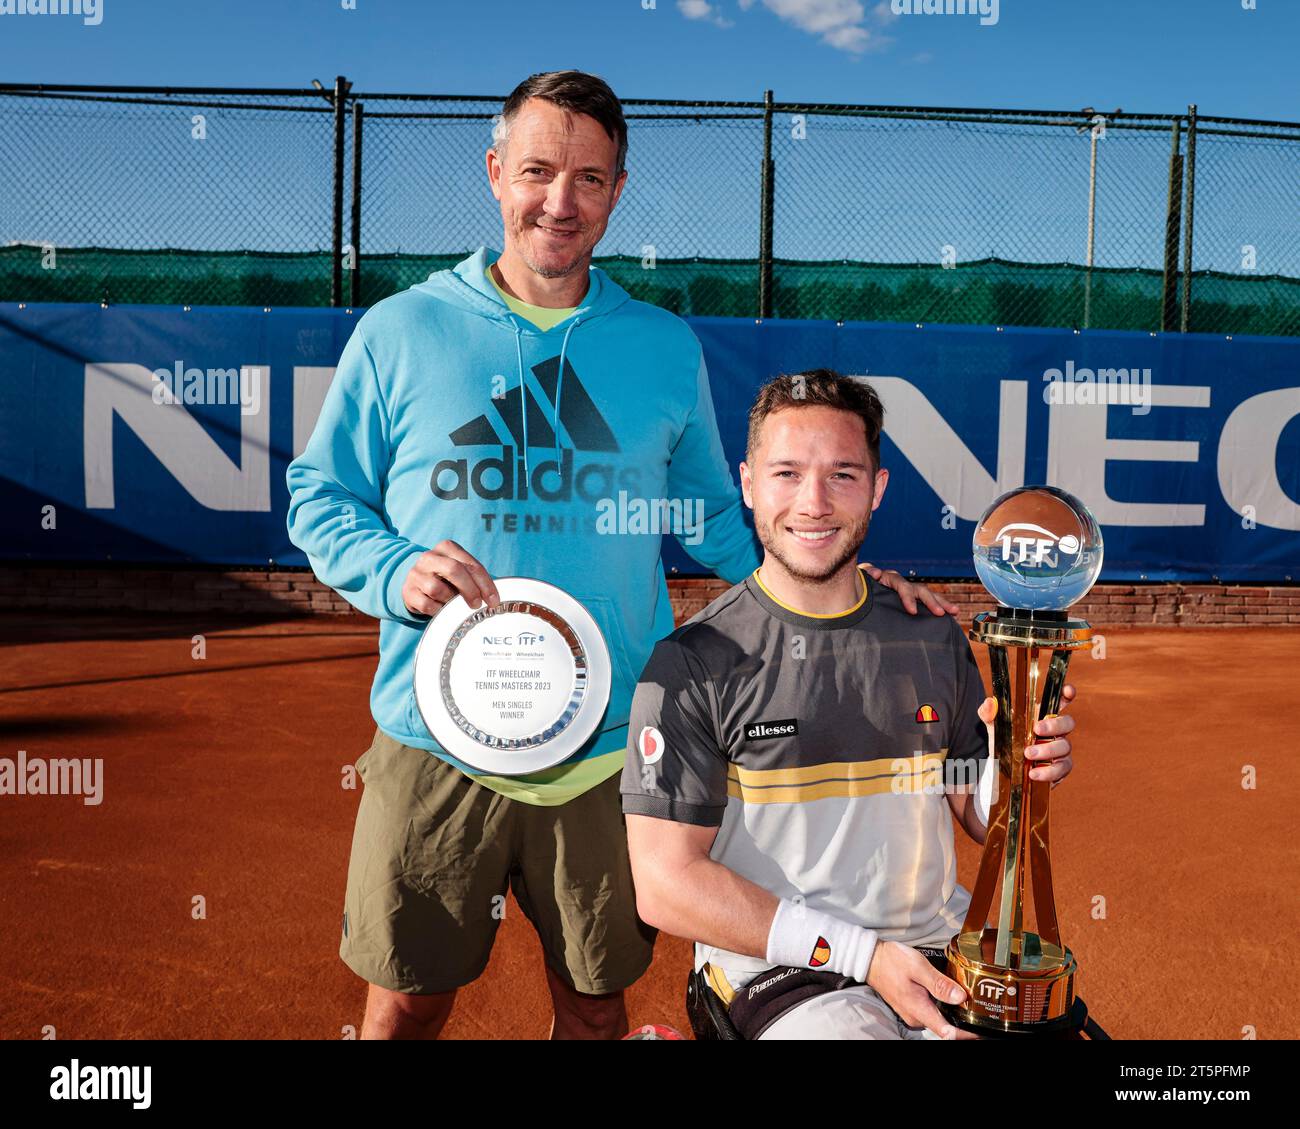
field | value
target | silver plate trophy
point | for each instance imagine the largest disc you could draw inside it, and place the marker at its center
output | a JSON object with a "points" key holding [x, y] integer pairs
{"points": [[515, 688]]}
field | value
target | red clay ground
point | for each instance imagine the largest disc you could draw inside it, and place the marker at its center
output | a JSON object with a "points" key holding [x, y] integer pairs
{"points": [[222, 779]]}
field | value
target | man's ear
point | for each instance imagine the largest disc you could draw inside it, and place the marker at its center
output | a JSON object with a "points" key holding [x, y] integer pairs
{"points": [[882, 480], [494, 171], [618, 188], [747, 485]]}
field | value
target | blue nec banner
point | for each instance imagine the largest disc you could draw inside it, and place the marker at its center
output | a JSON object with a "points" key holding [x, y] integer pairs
{"points": [[1185, 447]]}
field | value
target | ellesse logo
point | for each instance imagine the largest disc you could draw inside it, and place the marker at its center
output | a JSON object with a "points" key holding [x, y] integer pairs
{"points": [[765, 730], [927, 713], [650, 744], [821, 953]]}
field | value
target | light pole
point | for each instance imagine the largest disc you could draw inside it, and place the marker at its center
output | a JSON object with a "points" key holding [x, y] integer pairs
{"points": [[1097, 125]]}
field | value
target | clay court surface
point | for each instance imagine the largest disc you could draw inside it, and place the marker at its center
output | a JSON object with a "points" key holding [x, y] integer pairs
{"points": [[222, 779]]}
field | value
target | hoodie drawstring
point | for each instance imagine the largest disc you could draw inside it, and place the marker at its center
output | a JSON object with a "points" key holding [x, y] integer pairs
{"points": [[559, 387], [523, 394]]}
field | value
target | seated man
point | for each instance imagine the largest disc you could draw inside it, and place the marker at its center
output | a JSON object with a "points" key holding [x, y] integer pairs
{"points": [[780, 787]]}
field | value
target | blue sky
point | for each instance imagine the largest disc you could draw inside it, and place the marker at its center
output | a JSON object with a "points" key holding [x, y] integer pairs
{"points": [[1144, 55], [877, 191]]}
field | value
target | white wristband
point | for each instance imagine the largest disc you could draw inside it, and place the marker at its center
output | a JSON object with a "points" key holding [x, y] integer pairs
{"points": [[807, 938], [984, 794]]}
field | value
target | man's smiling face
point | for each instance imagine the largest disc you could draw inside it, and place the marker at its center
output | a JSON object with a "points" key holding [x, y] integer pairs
{"points": [[812, 487], [556, 186]]}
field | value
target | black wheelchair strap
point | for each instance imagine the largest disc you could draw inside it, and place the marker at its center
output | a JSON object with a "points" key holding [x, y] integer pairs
{"points": [[772, 993]]}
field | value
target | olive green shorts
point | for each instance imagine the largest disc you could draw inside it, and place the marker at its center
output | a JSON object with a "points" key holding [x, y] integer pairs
{"points": [[433, 854]]}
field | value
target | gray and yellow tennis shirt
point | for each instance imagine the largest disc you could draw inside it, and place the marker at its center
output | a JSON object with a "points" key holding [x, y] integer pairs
{"points": [[820, 746]]}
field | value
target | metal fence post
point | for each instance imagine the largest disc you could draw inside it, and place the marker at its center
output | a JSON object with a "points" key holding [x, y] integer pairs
{"points": [[765, 214], [1191, 216], [1092, 227], [354, 283], [336, 241], [1173, 227]]}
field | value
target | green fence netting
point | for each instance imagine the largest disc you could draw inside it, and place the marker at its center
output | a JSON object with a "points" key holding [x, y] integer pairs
{"points": [[988, 292], [271, 197]]}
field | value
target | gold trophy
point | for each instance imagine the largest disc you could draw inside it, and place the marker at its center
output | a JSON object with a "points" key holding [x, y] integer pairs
{"points": [[1037, 551]]}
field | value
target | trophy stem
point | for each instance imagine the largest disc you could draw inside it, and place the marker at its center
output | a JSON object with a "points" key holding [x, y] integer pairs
{"points": [[1013, 870], [1040, 859], [996, 835]]}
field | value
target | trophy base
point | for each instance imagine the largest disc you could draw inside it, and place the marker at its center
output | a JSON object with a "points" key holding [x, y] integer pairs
{"points": [[1034, 998]]}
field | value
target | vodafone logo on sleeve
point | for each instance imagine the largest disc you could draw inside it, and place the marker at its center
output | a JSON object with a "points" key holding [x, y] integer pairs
{"points": [[650, 744]]}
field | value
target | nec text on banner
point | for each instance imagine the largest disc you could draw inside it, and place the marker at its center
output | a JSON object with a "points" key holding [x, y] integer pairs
{"points": [[156, 434]]}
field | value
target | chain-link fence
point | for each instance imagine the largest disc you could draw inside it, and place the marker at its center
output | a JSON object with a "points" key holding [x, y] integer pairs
{"points": [[767, 209]]}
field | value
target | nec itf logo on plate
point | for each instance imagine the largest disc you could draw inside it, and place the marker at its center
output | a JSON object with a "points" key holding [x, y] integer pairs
{"points": [[765, 730], [524, 639]]}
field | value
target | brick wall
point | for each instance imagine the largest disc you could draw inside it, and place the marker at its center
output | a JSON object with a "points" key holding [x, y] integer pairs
{"points": [[239, 591], [1194, 605], [281, 591]]}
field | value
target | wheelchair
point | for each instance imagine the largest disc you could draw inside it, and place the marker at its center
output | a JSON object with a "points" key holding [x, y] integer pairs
{"points": [[710, 1018]]}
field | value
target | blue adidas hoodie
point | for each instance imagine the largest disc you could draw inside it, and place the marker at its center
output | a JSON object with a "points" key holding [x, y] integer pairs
{"points": [[413, 447]]}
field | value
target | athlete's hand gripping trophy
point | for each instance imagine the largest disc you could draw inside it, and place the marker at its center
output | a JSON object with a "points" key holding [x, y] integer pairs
{"points": [[1037, 551]]}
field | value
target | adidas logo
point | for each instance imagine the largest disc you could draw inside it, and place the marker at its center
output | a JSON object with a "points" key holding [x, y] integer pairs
{"points": [[496, 479], [584, 423]]}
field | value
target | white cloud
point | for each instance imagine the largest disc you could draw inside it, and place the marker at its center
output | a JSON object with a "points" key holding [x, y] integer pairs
{"points": [[818, 16], [702, 10], [848, 38], [837, 22]]}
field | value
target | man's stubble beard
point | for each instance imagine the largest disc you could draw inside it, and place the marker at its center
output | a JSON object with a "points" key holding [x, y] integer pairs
{"points": [[769, 540], [551, 272], [580, 261]]}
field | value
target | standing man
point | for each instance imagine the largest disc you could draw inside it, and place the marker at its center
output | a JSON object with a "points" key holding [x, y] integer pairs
{"points": [[475, 425], [801, 747]]}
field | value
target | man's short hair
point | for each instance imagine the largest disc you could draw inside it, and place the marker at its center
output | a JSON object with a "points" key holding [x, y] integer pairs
{"points": [[575, 91], [822, 387]]}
